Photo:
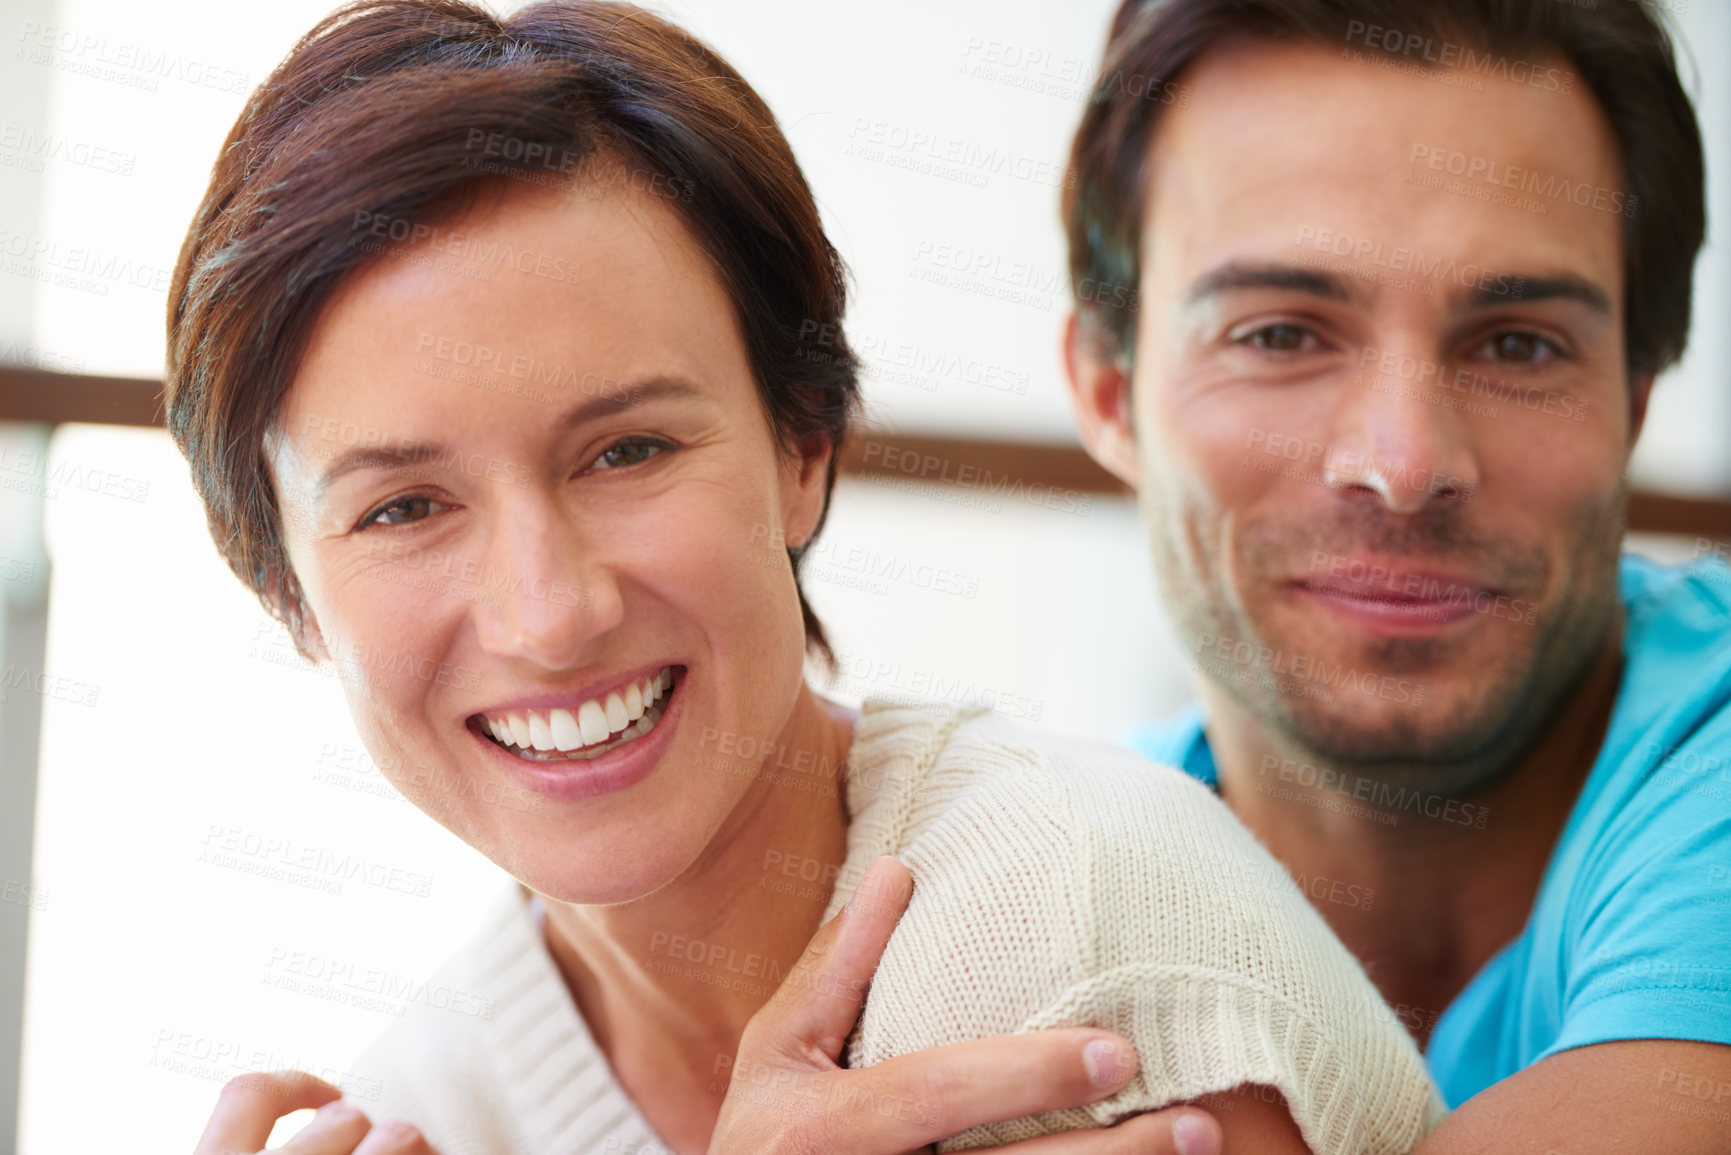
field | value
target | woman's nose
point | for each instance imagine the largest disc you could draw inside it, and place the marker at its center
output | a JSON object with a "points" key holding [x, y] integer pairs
{"points": [[553, 595]]}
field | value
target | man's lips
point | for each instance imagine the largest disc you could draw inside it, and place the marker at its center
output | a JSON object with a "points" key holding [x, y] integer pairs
{"points": [[1382, 595]]}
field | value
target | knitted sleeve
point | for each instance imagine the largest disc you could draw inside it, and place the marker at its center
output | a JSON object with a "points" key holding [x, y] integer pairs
{"points": [[1073, 884]]}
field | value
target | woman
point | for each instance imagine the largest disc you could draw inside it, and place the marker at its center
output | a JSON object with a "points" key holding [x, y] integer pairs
{"points": [[486, 352]]}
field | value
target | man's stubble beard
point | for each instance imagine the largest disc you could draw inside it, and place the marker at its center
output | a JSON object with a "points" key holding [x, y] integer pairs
{"points": [[1472, 725]]}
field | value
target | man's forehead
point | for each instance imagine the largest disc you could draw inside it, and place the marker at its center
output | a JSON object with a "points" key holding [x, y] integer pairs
{"points": [[1262, 111], [1279, 143]]}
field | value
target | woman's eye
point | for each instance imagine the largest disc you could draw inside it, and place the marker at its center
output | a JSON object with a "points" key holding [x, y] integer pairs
{"points": [[1518, 348], [403, 511], [630, 451], [1279, 338]]}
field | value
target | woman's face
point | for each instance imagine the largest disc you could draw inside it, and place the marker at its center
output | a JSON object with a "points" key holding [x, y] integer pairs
{"points": [[523, 472]]}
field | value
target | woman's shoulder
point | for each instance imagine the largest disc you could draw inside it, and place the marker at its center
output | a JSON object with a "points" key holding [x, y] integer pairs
{"points": [[916, 766], [1008, 829], [995, 818], [1062, 882]]}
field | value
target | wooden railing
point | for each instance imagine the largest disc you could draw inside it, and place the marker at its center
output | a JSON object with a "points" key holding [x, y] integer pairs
{"points": [[41, 395]]}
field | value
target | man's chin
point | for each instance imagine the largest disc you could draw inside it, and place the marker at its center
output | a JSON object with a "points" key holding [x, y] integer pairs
{"points": [[1394, 723]]}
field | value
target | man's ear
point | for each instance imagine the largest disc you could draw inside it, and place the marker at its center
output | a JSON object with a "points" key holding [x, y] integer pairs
{"points": [[1100, 394], [803, 487], [1640, 393]]}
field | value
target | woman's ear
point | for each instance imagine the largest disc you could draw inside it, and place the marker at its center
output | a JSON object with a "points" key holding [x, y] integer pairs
{"points": [[292, 611], [804, 487], [309, 639], [1100, 395]]}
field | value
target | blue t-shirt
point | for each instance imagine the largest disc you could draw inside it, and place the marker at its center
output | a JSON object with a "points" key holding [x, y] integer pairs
{"points": [[1630, 933]]}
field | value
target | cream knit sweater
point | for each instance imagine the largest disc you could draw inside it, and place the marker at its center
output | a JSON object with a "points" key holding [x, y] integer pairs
{"points": [[1057, 883]]}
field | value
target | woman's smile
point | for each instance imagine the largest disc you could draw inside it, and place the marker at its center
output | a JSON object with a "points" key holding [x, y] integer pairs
{"points": [[593, 725], [595, 743]]}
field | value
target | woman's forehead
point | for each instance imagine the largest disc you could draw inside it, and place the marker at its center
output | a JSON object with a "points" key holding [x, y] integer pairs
{"points": [[531, 286]]}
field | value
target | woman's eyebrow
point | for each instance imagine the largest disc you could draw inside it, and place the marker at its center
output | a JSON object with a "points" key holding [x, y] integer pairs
{"points": [[612, 396]]}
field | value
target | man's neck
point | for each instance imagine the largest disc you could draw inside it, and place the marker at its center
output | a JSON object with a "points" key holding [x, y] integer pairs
{"points": [[680, 972], [1426, 890]]}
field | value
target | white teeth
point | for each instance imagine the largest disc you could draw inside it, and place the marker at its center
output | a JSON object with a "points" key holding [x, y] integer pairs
{"points": [[593, 722], [539, 735], [601, 723], [632, 732], [566, 734]]}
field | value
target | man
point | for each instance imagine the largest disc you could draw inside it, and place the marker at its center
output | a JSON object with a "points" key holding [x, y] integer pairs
{"points": [[1371, 298]]}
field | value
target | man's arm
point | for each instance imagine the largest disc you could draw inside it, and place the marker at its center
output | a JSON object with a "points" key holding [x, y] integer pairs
{"points": [[1255, 1121], [1631, 1098]]}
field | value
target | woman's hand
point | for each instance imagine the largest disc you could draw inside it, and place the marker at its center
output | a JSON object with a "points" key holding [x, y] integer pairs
{"points": [[250, 1105], [787, 1096]]}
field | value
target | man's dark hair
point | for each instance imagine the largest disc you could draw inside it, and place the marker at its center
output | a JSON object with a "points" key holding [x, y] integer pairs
{"points": [[1616, 47]]}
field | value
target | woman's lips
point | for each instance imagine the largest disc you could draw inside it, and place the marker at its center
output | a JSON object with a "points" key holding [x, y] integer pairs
{"points": [[589, 776]]}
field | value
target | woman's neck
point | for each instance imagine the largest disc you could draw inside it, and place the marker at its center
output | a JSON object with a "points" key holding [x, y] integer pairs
{"points": [[667, 982]]}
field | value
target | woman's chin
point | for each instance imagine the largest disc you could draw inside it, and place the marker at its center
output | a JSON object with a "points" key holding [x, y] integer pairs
{"points": [[600, 880]]}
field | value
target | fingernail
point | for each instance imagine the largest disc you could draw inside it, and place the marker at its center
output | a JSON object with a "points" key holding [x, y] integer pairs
{"points": [[1193, 1135], [1106, 1062]]}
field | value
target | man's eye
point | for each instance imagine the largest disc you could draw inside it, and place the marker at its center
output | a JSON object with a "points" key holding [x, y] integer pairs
{"points": [[1518, 348], [630, 451], [1280, 338], [402, 511]]}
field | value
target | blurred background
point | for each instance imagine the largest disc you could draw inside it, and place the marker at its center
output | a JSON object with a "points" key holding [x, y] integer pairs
{"points": [[151, 714]]}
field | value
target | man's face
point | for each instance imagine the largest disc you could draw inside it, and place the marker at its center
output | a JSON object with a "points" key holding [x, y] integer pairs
{"points": [[1378, 408]]}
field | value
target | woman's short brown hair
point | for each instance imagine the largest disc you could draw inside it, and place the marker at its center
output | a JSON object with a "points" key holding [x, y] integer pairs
{"points": [[1618, 47], [403, 111]]}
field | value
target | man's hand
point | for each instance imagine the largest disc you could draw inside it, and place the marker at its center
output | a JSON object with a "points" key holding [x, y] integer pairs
{"points": [[1640, 1097], [250, 1105], [788, 1096]]}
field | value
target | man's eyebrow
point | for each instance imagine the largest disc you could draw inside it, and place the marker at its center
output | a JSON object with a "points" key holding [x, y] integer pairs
{"points": [[1562, 287], [1291, 278], [610, 396]]}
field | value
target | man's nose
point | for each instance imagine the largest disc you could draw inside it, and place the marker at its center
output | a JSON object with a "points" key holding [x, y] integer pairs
{"points": [[1392, 439]]}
